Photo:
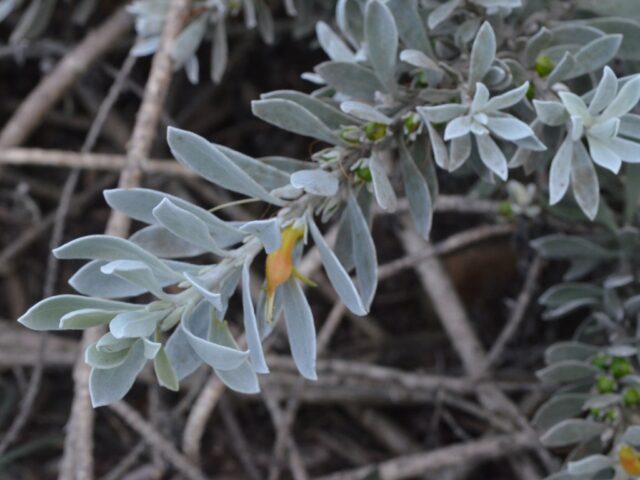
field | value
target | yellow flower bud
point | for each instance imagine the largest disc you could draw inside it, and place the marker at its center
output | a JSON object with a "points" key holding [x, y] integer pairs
{"points": [[279, 266], [629, 459]]}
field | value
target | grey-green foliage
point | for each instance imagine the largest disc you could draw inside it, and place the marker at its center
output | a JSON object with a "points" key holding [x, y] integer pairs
{"points": [[411, 90], [595, 409], [209, 21]]}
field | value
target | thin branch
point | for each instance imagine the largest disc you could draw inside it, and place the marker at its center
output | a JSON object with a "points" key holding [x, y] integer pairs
{"points": [[518, 313], [451, 244], [453, 317], [86, 161], [408, 466], [239, 442], [51, 88], [155, 439], [80, 442]]}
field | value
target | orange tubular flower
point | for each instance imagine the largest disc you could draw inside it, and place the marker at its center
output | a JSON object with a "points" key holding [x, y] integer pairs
{"points": [[279, 266], [630, 460]]}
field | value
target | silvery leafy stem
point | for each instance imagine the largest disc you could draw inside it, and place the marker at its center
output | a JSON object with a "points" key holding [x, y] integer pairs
{"points": [[184, 325], [602, 120]]}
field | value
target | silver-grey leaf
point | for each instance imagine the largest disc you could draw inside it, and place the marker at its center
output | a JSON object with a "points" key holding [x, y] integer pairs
{"points": [[338, 276], [551, 113], [185, 225], [365, 112], [411, 26], [294, 118], [106, 247], [213, 298], [268, 231], [492, 156], [137, 273], [109, 385], [382, 189], [417, 192], [560, 173], [571, 431], [350, 79], [316, 182], [442, 12], [381, 36], [219, 51], [218, 356], [442, 113], [483, 53], [364, 252], [605, 92], [186, 44], [584, 181], [209, 162], [507, 99], [138, 323], [165, 373], [332, 44], [243, 378], [251, 325], [85, 318], [440, 153], [301, 328], [331, 116], [626, 99]]}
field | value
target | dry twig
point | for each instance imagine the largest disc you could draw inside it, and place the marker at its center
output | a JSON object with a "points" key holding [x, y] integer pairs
{"points": [[78, 448], [49, 91]]}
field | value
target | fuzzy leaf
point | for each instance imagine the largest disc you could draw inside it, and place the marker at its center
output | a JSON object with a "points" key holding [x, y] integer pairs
{"points": [[381, 37], [109, 385], [211, 163], [218, 356], [417, 192], [551, 113], [483, 53], [332, 44], [300, 328], [350, 79], [138, 323], [47, 313], [292, 117], [268, 231], [328, 114], [165, 373], [571, 431], [382, 189], [364, 252], [584, 181], [492, 156], [251, 325], [316, 182], [338, 276], [560, 173]]}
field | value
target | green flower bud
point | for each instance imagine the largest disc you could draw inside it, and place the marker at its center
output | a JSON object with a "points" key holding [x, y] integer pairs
{"points": [[350, 135], [531, 92], [606, 384], [544, 65], [621, 367], [505, 210], [412, 122], [374, 131], [612, 415], [631, 397], [421, 80], [364, 174]]}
